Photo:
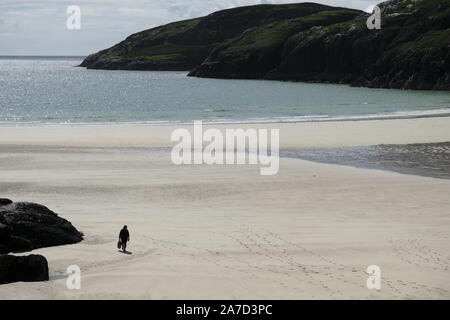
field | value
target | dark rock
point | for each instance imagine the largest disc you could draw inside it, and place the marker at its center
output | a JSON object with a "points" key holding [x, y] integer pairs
{"points": [[19, 244], [5, 234], [26, 226], [26, 268], [3, 249], [4, 201]]}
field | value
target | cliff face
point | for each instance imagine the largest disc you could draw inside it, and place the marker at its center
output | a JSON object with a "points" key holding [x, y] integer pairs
{"points": [[300, 42], [259, 50], [411, 50]]}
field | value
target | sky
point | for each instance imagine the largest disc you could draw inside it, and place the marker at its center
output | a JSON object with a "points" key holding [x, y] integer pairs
{"points": [[39, 27]]}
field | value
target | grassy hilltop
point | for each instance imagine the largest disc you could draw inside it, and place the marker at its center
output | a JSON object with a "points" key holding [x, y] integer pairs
{"points": [[184, 45]]}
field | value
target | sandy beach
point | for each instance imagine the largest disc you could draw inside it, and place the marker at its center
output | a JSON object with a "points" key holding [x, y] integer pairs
{"points": [[226, 232]]}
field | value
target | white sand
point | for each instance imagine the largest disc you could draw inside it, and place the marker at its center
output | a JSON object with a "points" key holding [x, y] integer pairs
{"points": [[226, 231], [293, 135]]}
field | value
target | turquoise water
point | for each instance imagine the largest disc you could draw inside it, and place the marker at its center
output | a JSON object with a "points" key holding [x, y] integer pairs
{"points": [[51, 90]]}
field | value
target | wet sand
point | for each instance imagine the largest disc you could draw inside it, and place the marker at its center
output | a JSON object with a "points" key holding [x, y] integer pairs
{"points": [[423, 159]]}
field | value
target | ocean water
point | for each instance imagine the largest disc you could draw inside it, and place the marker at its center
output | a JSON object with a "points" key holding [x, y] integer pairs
{"points": [[51, 90]]}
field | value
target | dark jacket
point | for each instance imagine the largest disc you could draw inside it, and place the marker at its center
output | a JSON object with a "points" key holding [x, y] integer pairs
{"points": [[124, 235]]}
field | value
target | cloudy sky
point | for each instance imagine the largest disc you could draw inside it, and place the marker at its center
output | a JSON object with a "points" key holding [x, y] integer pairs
{"points": [[38, 27]]}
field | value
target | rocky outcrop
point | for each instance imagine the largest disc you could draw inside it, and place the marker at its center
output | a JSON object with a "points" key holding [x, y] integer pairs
{"points": [[300, 42], [26, 226], [107, 62], [24, 268]]}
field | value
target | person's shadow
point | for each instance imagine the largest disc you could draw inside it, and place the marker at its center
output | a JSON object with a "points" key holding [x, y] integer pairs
{"points": [[125, 252]]}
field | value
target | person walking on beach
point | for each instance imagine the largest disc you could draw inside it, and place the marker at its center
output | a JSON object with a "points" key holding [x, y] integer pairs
{"points": [[124, 237]]}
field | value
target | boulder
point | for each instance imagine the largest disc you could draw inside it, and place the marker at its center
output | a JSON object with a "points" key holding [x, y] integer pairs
{"points": [[25, 268], [19, 244], [5, 235], [27, 226], [3, 249], [4, 201]]}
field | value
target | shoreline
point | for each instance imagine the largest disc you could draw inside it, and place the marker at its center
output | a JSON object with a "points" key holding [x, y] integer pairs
{"points": [[292, 135], [280, 120]]}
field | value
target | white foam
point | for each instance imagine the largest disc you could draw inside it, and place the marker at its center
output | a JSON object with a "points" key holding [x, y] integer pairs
{"points": [[306, 118]]}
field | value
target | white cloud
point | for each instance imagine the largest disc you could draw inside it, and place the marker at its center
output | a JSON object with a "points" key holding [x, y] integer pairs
{"points": [[133, 12], [370, 8]]}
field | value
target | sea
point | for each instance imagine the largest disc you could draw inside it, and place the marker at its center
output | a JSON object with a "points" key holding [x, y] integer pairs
{"points": [[54, 91]]}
